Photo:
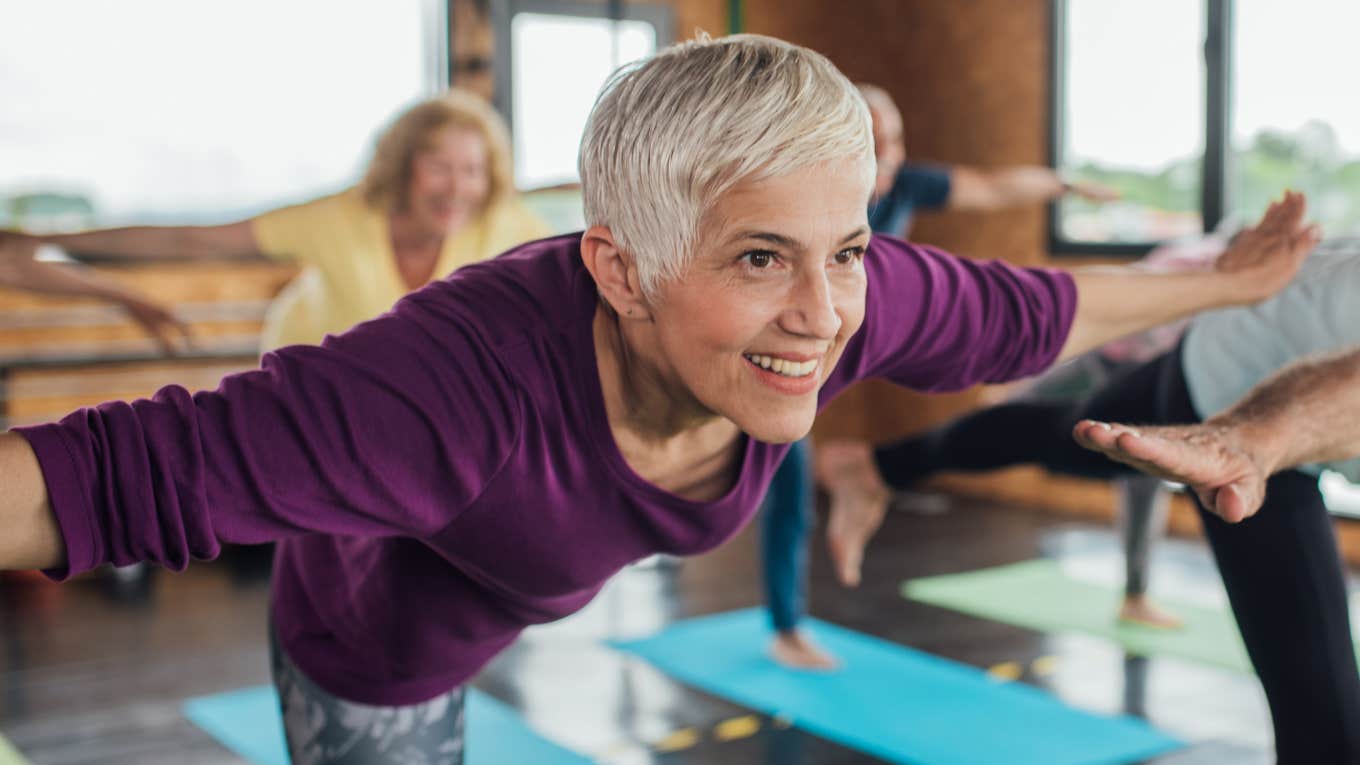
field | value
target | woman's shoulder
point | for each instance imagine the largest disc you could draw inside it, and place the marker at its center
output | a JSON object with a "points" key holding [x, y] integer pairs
{"points": [[900, 271], [347, 202], [340, 211], [536, 288]]}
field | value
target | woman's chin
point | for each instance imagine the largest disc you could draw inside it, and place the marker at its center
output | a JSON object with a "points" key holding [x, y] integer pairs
{"points": [[778, 430], [445, 222]]}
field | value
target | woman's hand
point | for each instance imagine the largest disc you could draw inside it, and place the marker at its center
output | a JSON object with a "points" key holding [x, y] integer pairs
{"points": [[1264, 258], [1092, 192], [170, 333]]}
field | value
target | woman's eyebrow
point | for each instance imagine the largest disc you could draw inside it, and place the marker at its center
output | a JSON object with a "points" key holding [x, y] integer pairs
{"points": [[789, 242], [769, 236]]}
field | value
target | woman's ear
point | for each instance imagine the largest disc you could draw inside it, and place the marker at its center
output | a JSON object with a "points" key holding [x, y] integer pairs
{"points": [[615, 273]]}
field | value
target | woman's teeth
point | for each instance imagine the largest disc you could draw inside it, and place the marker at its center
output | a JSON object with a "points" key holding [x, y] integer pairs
{"points": [[783, 367]]}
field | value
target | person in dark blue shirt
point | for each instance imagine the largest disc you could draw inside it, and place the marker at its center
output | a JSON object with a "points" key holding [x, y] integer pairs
{"points": [[903, 186], [901, 189]]}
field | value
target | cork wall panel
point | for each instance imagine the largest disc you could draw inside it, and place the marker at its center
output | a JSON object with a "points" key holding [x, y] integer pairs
{"points": [[693, 15]]}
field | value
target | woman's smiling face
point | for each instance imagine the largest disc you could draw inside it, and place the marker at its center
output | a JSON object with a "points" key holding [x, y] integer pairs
{"points": [[774, 291]]}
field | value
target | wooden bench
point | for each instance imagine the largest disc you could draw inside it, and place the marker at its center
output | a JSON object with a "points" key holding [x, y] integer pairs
{"points": [[58, 354]]}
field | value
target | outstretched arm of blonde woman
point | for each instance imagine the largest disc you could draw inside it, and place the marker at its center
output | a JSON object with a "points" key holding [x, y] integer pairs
{"points": [[231, 241], [20, 270]]}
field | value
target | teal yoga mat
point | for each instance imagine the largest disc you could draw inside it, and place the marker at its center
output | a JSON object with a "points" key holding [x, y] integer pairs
{"points": [[1038, 595], [893, 702], [247, 722]]}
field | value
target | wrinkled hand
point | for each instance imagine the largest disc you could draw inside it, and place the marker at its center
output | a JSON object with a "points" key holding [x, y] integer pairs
{"points": [[169, 332], [1092, 192], [1265, 257], [859, 500], [1211, 459]]}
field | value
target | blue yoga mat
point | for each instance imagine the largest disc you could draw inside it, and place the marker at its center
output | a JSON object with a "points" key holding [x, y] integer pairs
{"points": [[248, 723], [895, 703]]}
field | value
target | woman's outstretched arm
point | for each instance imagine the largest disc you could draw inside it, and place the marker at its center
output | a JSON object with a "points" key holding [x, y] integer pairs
{"points": [[1118, 301], [29, 537], [369, 435], [233, 241], [21, 270]]}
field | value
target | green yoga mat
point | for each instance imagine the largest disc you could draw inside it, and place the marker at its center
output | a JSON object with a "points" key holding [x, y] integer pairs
{"points": [[9, 755], [1038, 595]]}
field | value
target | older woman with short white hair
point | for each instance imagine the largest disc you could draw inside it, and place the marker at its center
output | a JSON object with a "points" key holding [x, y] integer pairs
{"points": [[485, 456]]}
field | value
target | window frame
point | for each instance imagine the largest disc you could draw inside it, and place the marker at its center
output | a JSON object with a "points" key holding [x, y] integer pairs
{"points": [[503, 12], [1217, 51]]}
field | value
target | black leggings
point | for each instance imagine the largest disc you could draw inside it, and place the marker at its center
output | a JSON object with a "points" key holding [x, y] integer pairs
{"points": [[1281, 567], [1040, 431]]}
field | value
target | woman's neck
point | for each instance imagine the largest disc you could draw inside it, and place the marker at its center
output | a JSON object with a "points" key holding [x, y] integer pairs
{"points": [[664, 434], [410, 237], [642, 394], [415, 249]]}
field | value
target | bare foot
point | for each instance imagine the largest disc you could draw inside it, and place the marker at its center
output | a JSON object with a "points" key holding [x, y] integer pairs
{"points": [[1138, 609], [795, 650], [859, 500]]}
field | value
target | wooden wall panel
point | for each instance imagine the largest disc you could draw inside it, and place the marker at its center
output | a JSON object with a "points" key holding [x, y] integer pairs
{"points": [[693, 15]]}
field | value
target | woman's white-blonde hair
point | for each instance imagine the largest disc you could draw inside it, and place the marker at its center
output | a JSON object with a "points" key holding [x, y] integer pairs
{"points": [[670, 135], [388, 176]]}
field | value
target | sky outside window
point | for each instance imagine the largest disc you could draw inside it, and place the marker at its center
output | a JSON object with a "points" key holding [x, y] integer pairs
{"points": [[164, 110]]}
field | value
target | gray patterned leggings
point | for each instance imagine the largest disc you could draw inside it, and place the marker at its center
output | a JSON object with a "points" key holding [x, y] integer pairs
{"points": [[324, 730]]}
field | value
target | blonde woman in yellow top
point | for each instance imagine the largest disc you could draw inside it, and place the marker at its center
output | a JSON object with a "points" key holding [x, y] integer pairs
{"points": [[437, 195]]}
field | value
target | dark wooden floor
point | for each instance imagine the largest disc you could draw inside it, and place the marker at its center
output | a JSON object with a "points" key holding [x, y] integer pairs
{"points": [[87, 676]]}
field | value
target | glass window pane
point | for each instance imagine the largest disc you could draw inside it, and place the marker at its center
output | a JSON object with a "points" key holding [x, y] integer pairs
{"points": [[1295, 122], [167, 111], [559, 64], [1133, 117]]}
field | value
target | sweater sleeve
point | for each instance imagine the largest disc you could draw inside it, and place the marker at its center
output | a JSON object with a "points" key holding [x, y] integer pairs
{"points": [[936, 322], [388, 430]]}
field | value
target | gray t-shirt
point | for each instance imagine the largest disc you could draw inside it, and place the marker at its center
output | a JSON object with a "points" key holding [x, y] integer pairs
{"points": [[1228, 352]]}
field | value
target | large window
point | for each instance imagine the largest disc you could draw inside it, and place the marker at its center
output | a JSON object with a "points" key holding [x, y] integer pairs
{"points": [[1295, 118], [1201, 111], [170, 111], [560, 54]]}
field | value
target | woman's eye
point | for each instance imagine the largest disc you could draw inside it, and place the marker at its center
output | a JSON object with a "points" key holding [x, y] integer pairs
{"points": [[759, 258], [848, 255]]}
